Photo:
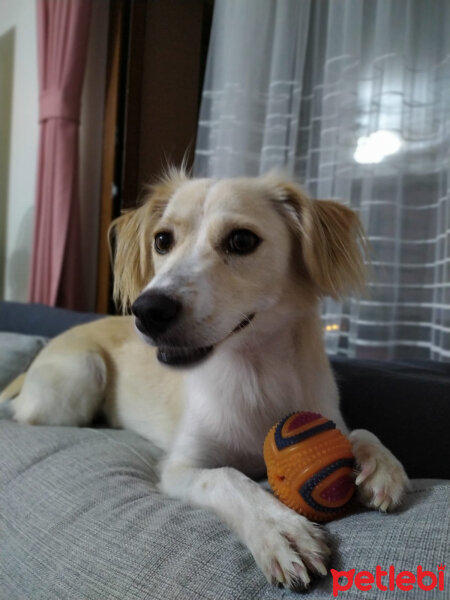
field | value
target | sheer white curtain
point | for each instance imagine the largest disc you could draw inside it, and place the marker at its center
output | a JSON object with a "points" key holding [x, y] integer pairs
{"points": [[303, 85]]}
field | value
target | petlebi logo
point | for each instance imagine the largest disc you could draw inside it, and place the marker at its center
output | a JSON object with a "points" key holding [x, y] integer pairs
{"points": [[388, 580]]}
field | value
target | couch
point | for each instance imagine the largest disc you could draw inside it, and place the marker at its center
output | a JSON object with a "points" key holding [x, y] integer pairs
{"points": [[81, 517]]}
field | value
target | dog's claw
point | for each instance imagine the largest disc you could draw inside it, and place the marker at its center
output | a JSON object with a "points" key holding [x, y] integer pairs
{"points": [[384, 507], [279, 575], [380, 498], [301, 572], [367, 470], [319, 567]]}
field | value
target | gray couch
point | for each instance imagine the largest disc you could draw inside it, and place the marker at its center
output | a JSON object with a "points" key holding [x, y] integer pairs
{"points": [[81, 518]]}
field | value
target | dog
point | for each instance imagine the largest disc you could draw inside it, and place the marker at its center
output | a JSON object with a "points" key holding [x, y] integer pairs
{"points": [[224, 279]]}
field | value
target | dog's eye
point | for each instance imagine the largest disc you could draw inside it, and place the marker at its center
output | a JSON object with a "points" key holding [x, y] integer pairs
{"points": [[241, 241], [163, 242]]}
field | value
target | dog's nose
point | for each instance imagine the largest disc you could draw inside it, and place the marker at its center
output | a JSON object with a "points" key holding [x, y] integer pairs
{"points": [[155, 312]]}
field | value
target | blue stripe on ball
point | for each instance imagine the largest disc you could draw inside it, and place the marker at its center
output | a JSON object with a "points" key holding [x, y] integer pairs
{"points": [[306, 489], [283, 442]]}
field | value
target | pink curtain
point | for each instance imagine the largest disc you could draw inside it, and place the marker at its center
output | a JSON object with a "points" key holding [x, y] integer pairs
{"points": [[63, 29]]}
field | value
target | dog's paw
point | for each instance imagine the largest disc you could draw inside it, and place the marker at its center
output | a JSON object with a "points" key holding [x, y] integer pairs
{"points": [[288, 548], [382, 481]]}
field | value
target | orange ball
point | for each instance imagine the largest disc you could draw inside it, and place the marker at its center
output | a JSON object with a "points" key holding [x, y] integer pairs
{"points": [[310, 465]]}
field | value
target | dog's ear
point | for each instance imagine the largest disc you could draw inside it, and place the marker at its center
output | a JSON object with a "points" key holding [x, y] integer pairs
{"points": [[332, 241], [132, 256], [130, 239]]}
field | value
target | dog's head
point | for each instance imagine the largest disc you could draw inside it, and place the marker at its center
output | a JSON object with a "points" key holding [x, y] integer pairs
{"points": [[206, 262]]}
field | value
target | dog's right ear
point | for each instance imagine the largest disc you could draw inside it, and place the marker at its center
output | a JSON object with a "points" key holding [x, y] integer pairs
{"points": [[130, 239], [132, 256]]}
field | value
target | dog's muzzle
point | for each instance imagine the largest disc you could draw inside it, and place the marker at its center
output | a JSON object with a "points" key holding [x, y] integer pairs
{"points": [[155, 312]]}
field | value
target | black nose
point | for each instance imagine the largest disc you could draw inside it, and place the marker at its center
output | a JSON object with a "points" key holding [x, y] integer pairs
{"points": [[155, 312]]}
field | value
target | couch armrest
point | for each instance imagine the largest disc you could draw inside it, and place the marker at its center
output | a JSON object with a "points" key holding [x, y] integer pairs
{"points": [[38, 319], [406, 404]]}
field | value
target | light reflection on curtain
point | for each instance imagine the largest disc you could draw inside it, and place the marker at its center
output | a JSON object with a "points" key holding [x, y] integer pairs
{"points": [[296, 84]]}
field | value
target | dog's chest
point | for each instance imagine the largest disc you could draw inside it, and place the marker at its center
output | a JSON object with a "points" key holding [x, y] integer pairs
{"points": [[235, 403]]}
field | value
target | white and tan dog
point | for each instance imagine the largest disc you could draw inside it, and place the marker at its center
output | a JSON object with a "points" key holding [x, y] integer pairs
{"points": [[224, 278]]}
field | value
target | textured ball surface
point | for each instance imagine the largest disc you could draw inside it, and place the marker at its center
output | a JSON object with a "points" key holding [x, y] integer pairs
{"points": [[310, 465]]}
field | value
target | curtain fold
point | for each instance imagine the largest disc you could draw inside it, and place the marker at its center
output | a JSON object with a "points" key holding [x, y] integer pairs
{"points": [[63, 30], [351, 99]]}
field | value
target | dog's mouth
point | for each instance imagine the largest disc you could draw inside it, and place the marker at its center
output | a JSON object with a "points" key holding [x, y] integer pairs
{"points": [[183, 356]]}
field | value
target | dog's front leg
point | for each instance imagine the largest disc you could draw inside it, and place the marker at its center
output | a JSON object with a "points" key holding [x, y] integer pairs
{"points": [[284, 544], [382, 481]]}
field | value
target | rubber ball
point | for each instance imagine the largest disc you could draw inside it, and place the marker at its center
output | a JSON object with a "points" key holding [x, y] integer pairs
{"points": [[310, 465]]}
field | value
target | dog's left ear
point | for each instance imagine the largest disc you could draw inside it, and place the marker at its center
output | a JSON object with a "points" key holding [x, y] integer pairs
{"points": [[332, 241]]}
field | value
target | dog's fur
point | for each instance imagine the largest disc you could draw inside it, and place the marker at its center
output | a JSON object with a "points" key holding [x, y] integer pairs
{"points": [[211, 419]]}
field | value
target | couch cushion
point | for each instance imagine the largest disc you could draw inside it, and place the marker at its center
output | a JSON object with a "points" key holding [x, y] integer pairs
{"points": [[16, 353], [80, 517]]}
